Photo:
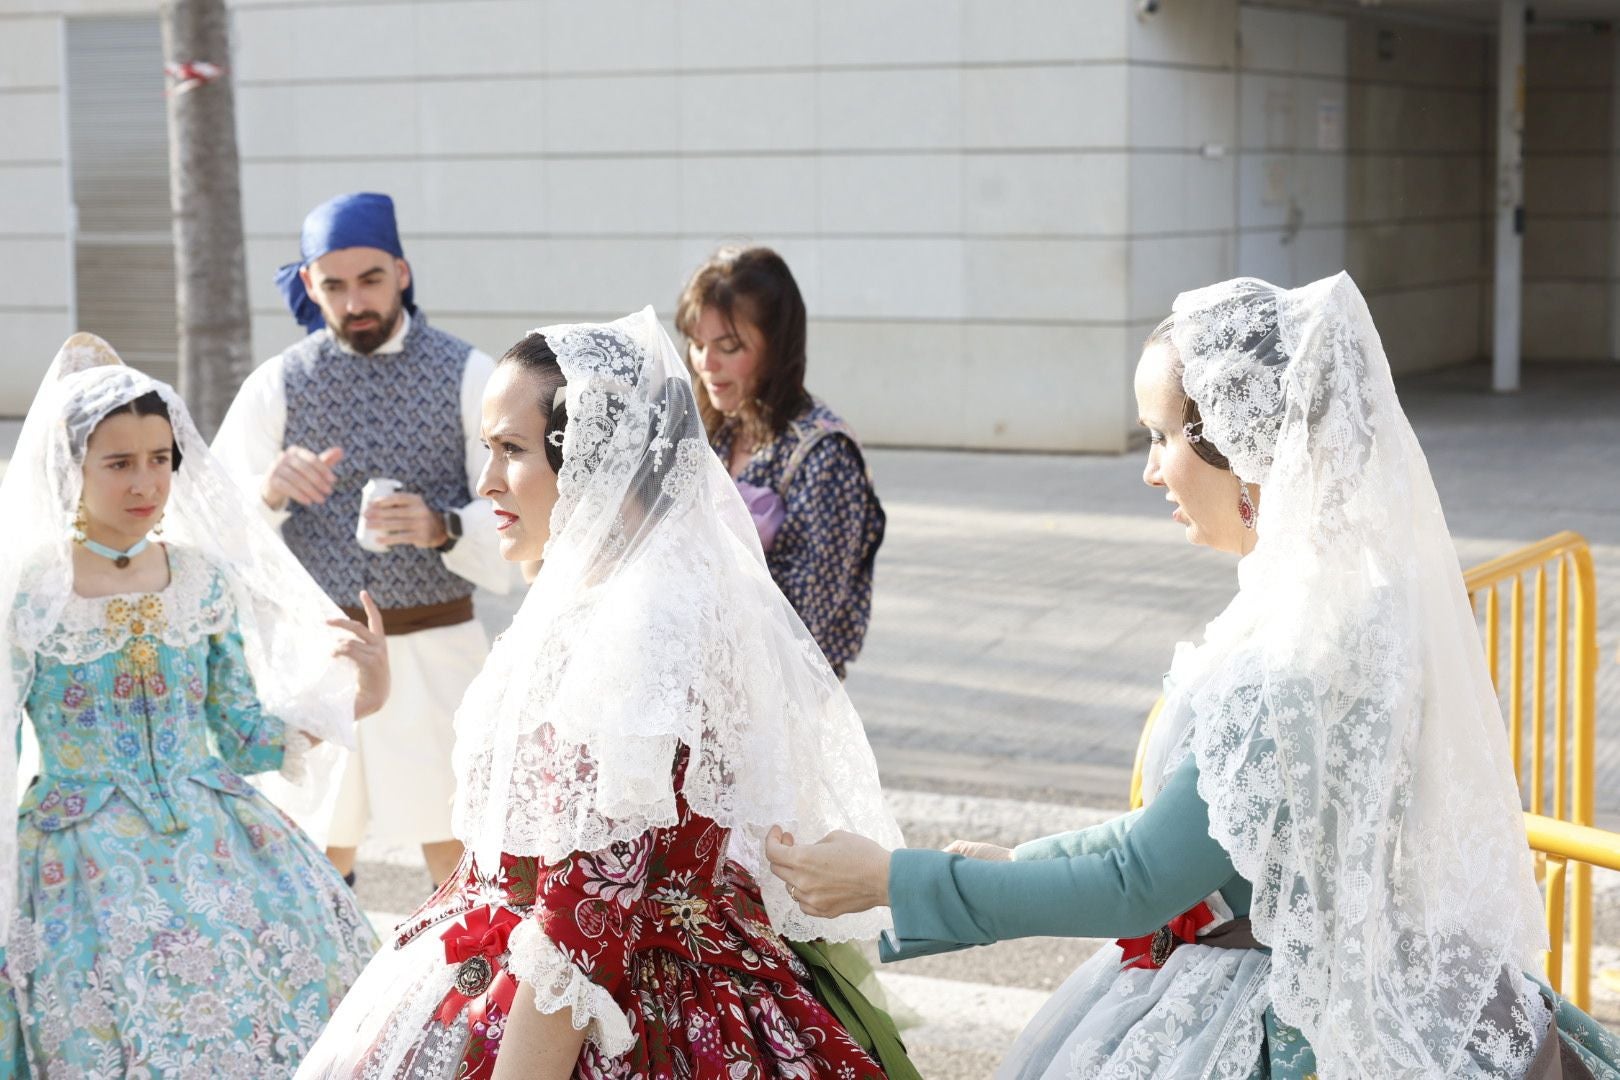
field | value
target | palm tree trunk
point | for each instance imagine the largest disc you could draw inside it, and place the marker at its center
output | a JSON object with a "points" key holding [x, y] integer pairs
{"points": [[205, 191]]}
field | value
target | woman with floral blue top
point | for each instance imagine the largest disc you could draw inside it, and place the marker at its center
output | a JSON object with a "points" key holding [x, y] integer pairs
{"points": [[798, 465], [800, 470], [162, 918]]}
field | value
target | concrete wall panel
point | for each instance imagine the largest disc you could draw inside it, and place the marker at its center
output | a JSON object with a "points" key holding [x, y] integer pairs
{"points": [[608, 196], [884, 193], [36, 199], [1162, 267], [1568, 248], [1060, 193], [1567, 121], [1408, 54], [1181, 193], [735, 195], [1565, 184], [612, 114], [32, 338], [857, 32], [1044, 280], [32, 122], [605, 35], [474, 38], [1429, 327], [1041, 107], [740, 33], [1566, 320], [1020, 31], [878, 278], [30, 53], [1568, 61], [362, 41], [1201, 35], [746, 113], [890, 110], [993, 386], [353, 120], [1180, 109], [34, 272]]}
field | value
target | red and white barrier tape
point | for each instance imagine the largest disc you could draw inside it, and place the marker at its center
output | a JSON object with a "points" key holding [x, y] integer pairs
{"points": [[189, 76]]}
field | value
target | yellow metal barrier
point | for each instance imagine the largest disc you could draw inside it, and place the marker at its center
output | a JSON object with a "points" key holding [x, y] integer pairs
{"points": [[1562, 833], [1569, 624], [1555, 636], [1141, 752], [1561, 843]]}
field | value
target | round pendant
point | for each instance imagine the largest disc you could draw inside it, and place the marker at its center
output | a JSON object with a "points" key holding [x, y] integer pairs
{"points": [[474, 976], [121, 562], [1164, 943]]}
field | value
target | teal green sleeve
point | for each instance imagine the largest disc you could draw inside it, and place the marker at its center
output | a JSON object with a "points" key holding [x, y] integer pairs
{"points": [[1165, 863], [1088, 841], [249, 739]]}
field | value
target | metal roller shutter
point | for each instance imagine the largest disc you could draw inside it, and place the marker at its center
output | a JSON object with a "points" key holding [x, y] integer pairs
{"points": [[118, 158]]}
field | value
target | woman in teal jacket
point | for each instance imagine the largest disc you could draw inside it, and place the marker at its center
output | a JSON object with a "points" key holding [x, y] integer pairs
{"points": [[1330, 875]]}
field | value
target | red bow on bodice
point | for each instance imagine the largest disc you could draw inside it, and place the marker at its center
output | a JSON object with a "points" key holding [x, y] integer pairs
{"points": [[483, 933], [477, 946], [1152, 950]]}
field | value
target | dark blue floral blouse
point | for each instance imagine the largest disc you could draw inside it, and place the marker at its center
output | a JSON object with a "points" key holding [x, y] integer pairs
{"points": [[823, 554]]}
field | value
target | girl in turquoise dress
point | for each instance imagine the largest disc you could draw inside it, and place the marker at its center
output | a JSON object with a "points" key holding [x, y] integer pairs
{"points": [[163, 918], [1330, 875]]}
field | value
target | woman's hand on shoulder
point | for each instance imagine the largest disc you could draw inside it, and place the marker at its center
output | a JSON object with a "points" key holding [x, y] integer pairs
{"points": [[838, 874], [978, 849], [367, 648]]}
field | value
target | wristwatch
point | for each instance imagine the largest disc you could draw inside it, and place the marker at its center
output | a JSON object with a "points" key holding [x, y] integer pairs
{"points": [[452, 530]]}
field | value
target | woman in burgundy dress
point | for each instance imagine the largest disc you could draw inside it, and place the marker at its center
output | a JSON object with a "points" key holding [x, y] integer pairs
{"points": [[653, 710]]}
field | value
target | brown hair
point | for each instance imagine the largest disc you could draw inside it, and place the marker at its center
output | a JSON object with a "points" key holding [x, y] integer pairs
{"points": [[756, 284], [1191, 419], [150, 403], [534, 354]]}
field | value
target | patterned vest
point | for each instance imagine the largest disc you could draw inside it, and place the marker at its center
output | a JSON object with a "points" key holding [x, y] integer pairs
{"points": [[397, 416]]}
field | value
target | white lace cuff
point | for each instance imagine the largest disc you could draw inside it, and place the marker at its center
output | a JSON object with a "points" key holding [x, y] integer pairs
{"points": [[558, 983], [296, 746]]}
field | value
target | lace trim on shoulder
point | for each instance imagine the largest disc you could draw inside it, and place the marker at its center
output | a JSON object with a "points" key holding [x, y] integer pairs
{"points": [[195, 604], [559, 983]]}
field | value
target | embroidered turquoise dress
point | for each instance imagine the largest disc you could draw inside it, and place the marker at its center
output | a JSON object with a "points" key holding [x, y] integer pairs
{"points": [[171, 921]]}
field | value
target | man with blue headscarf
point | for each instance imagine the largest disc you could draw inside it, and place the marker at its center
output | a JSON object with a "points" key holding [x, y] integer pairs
{"points": [[374, 391]]}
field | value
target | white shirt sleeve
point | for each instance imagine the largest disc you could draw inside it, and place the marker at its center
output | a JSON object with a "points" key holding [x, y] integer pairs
{"points": [[253, 434], [477, 556]]}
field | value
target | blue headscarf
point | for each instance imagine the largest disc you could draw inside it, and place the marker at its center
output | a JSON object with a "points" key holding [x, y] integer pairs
{"points": [[359, 219]]}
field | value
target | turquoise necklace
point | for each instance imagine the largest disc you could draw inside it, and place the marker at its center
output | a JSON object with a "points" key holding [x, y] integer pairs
{"points": [[119, 559]]}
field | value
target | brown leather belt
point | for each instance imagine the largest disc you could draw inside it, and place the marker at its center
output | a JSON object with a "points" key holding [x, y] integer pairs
{"points": [[408, 620]]}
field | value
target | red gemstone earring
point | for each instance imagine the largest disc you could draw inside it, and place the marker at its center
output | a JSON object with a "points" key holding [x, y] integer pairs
{"points": [[1246, 511]]}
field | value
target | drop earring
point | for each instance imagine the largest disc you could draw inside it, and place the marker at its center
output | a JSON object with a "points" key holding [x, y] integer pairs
{"points": [[157, 530], [1246, 511], [77, 533]]}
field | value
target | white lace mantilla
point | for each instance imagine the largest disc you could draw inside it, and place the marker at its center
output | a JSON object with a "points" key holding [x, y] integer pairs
{"points": [[1350, 746], [655, 625]]}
